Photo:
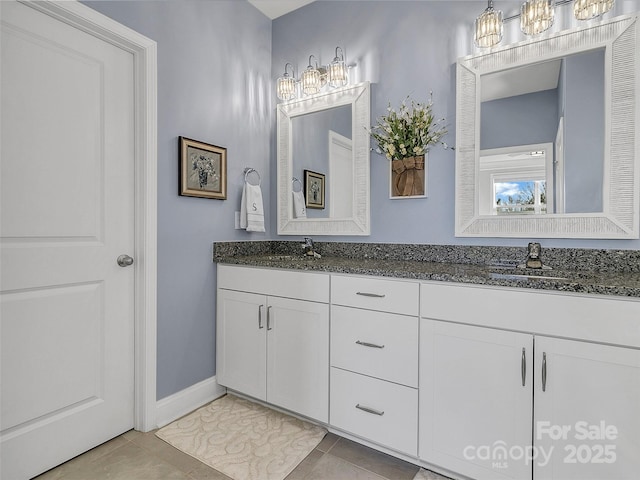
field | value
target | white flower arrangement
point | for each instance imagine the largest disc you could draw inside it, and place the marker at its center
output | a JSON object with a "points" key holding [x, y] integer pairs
{"points": [[409, 131]]}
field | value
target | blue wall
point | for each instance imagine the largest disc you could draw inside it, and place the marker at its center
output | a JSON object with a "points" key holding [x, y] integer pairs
{"points": [[409, 48], [214, 83], [519, 120], [217, 65], [584, 132]]}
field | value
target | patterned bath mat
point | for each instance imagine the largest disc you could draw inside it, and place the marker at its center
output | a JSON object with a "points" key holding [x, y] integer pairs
{"points": [[243, 440]]}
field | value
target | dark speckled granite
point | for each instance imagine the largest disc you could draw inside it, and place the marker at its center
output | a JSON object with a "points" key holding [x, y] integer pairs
{"points": [[603, 272]]}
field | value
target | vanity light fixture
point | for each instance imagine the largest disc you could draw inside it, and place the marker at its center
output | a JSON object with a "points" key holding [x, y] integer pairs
{"points": [[286, 84], [536, 16], [488, 27], [311, 79], [337, 71], [314, 78], [586, 9]]}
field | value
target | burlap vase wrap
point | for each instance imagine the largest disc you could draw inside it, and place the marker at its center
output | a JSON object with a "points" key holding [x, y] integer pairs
{"points": [[407, 177]]}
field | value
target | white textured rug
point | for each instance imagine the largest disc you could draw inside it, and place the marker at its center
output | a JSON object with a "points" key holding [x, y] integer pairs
{"points": [[243, 440], [428, 475]]}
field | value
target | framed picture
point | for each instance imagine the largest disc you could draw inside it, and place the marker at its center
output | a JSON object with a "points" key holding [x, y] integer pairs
{"points": [[203, 170], [314, 189]]}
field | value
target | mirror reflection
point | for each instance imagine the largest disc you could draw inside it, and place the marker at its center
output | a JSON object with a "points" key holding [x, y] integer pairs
{"points": [[322, 143], [542, 132]]}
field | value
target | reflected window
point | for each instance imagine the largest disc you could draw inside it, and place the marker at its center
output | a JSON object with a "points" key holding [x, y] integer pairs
{"points": [[519, 197], [516, 180]]}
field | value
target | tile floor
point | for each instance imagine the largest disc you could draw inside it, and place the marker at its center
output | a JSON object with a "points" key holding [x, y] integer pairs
{"points": [[143, 456]]}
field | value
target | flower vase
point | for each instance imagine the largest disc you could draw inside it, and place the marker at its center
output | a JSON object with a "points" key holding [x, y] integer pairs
{"points": [[408, 177]]}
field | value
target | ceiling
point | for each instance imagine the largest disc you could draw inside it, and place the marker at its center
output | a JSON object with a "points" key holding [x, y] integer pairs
{"points": [[277, 8]]}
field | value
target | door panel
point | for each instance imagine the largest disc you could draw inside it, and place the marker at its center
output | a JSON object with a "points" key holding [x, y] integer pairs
{"points": [[241, 344], [67, 203], [35, 331], [473, 401], [298, 357], [589, 388]]}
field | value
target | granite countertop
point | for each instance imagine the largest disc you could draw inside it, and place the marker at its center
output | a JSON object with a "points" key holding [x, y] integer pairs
{"points": [[603, 281]]}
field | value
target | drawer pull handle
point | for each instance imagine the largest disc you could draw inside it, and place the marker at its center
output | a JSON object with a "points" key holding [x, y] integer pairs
{"points": [[372, 295], [523, 367], [369, 410], [269, 327], [544, 371], [260, 316], [367, 344]]}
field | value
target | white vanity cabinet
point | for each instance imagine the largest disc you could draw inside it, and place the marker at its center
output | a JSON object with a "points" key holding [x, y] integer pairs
{"points": [[374, 360], [476, 390], [486, 399], [273, 337], [592, 393]]}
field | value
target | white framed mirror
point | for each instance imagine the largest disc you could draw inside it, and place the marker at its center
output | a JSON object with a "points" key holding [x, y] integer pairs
{"points": [[580, 170], [327, 135]]}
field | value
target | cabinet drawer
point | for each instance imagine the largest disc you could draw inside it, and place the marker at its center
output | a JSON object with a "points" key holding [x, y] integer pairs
{"points": [[375, 294], [279, 283], [377, 344], [392, 419], [595, 319]]}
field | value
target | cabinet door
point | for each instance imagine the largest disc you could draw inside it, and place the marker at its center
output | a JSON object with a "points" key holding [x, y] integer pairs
{"points": [[588, 414], [473, 405], [298, 357], [241, 343]]}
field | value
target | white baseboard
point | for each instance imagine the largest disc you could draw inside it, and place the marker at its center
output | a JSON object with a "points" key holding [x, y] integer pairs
{"points": [[180, 403]]}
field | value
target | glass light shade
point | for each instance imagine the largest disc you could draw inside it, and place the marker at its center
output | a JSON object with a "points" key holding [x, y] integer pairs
{"points": [[310, 80], [286, 87], [536, 16], [586, 9], [338, 74], [488, 28]]}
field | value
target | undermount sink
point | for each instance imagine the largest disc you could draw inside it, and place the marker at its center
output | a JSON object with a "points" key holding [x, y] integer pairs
{"points": [[524, 276], [286, 258]]}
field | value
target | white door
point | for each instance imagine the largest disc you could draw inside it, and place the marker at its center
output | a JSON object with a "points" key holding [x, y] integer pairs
{"points": [[298, 356], [476, 396], [587, 416], [67, 189], [340, 191], [241, 346]]}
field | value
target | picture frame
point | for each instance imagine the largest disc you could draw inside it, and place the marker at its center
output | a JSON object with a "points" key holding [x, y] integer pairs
{"points": [[203, 169], [314, 189]]}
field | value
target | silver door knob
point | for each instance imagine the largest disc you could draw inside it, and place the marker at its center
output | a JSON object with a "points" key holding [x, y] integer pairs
{"points": [[124, 260]]}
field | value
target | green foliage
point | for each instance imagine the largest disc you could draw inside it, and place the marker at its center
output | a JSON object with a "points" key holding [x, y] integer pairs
{"points": [[409, 131]]}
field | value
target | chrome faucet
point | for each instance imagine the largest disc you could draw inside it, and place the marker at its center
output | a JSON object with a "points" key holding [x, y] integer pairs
{"points": [[308, 246], [534, 259]]}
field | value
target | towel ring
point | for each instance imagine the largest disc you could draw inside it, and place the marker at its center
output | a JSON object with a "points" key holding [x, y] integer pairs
{"points": [[293, 181], [249, 170]]}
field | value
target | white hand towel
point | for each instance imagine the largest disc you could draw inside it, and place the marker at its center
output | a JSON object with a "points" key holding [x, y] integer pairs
{"points": [[299, 210], [254, 208], [243, 207]]}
